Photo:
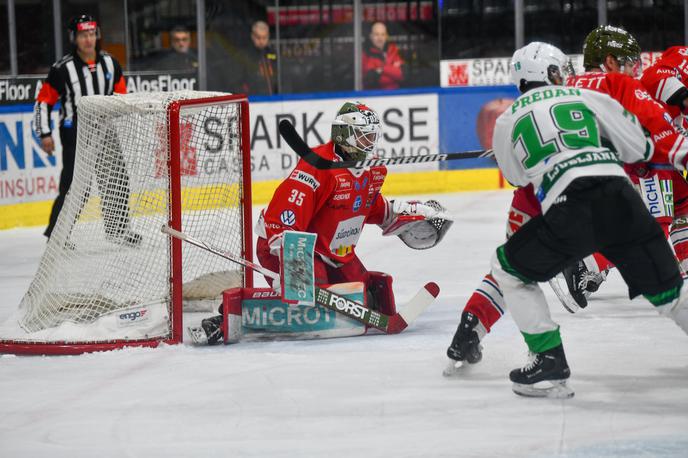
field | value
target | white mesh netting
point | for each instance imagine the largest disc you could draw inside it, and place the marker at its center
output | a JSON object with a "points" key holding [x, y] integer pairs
{"points": [[106, 269]]}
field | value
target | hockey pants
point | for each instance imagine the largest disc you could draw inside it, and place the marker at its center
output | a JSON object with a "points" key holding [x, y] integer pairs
{"points": [[603, 214]]}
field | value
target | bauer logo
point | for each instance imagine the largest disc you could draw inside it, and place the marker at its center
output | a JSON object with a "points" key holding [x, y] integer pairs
{"points": [[132, 317], [265, 294]]}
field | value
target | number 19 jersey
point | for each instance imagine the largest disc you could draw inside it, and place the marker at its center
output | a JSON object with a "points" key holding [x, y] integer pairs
{"points": [[552, 135]]}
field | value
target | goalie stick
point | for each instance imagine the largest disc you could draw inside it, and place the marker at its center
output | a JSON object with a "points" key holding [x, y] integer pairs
{"points": [[300, 147], [390, 324]]}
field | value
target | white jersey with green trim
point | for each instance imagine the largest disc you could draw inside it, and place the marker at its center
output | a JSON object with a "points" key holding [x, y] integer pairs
{"points": [[552, 135]]}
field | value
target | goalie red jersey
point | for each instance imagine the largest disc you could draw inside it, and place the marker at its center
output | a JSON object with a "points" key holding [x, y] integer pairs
{"points": [[335, 204]]}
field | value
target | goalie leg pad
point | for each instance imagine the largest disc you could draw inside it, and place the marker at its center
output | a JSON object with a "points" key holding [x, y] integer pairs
{"points": [[379, 285]]}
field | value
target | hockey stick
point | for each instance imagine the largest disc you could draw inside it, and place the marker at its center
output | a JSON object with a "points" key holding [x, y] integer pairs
{"points": [[390, 324], [199, 243], [300, 147]]}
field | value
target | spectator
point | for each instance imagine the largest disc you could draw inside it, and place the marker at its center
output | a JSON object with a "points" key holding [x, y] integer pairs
{"points": [[181, 57], [382, 64], [260, 68]]}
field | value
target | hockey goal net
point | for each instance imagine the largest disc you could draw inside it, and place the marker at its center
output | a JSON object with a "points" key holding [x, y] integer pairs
{"points": [[109, 277]]}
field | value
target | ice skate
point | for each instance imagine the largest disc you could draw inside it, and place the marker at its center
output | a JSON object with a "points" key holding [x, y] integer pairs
{"points": [[544, 377], [465, 348], [574, 285], [127, 238], [209, 333]]}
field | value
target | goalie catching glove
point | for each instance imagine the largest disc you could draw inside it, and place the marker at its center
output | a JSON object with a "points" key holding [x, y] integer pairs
{"points": [[420, 225]]}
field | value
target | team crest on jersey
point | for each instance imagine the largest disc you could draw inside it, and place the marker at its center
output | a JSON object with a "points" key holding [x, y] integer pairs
{"points": [[288, 218], [305, 178], [357, 203]]}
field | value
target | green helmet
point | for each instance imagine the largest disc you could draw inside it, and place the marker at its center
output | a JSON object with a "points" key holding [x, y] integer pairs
{"points": [[606, 40], [356, 130]]}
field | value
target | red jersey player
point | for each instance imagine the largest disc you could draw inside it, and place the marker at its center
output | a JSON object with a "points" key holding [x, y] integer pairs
{"points": [[335, 204], [665, 81], [663, 189], [608, 69]]}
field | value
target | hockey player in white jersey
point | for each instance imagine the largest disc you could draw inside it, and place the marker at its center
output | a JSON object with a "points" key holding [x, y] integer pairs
{"points": [[570, 143]]}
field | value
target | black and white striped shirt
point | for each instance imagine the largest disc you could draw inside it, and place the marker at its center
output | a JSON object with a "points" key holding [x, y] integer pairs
{"points": [[69, 79]]}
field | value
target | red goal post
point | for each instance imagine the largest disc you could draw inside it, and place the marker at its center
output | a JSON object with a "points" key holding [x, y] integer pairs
{"points": [[109, 278]]}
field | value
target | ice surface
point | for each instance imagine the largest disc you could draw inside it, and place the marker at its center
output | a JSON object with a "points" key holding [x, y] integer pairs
{"points": [[367, 396]]}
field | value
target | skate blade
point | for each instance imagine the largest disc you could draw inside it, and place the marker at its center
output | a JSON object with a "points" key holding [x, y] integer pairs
{"points": [[558, 285], [198, 335], [553, 389], [456, 368]]}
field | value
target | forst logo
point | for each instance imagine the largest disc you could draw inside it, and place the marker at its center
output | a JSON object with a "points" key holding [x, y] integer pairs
{"points": [[354, 308]]}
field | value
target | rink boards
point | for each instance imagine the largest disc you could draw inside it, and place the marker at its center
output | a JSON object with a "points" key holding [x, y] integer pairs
{"points": [[416, 122]]}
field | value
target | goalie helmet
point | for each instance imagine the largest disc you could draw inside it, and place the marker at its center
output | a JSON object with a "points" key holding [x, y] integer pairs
{"points": [[82, 23], [356, 130], [540, 62], [607, 40]]}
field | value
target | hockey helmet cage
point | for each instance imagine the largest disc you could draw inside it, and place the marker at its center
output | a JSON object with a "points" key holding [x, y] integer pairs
{"points": [[609, 40], [82, 23], [356, 129], [540, 62]]}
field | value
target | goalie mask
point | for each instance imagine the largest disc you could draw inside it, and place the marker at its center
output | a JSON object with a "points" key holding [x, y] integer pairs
{"points": [[356, 130], [607, 40], [540, 63]]}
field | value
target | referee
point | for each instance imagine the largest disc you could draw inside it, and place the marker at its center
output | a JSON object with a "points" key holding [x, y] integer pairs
{"points": [[86, 70]]}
